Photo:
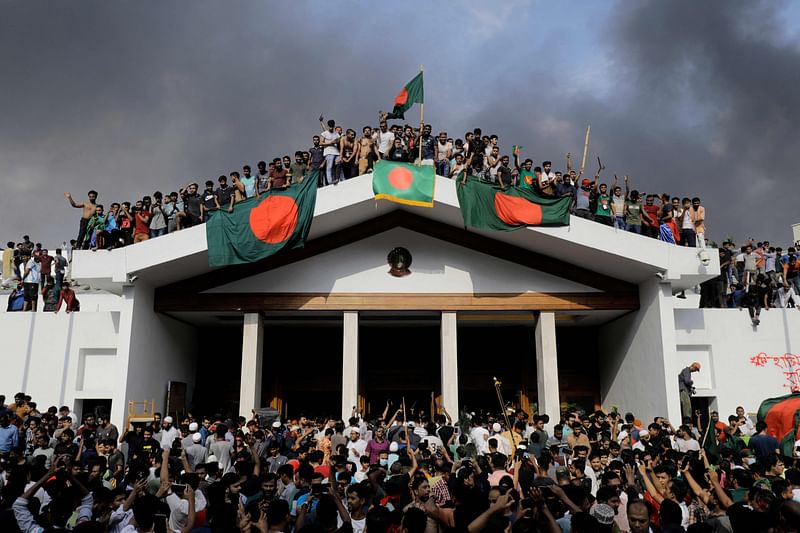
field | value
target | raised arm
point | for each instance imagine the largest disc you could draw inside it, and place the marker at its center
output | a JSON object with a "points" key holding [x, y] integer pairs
{"points": [[696, 488], [648, 483], [188, 495], [724, 500], [68, 196]]}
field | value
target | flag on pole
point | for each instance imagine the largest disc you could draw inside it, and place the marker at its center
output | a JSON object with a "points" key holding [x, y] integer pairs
{"points": [[488, 206], [516, 149], [410, 94], [262, 226], [404, 183]]}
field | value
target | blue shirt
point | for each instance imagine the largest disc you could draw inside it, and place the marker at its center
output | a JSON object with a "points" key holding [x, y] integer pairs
{"points": [[9, 438]]}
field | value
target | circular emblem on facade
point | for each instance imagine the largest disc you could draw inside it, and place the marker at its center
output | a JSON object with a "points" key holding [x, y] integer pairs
{"points": [[399, 261]]}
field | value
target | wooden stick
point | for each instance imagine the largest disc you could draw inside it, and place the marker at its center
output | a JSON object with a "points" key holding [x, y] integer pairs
{"points": [[421, 122], [585, 148]]}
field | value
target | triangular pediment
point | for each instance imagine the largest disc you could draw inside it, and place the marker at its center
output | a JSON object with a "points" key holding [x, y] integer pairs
{"points": [[451, 268], [437, 266]]}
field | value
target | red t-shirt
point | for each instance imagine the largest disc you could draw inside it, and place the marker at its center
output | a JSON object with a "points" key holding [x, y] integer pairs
{"points": [[142, 223], [652, 212], [45, 261]]}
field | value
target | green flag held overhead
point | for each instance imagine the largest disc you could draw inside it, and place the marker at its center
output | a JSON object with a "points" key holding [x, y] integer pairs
{"points": [[487, 206], [263, 226], [404, 183], [410, 94]]}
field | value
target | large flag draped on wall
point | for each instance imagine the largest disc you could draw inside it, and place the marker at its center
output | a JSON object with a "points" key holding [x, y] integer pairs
{"points": [[404, 183], [782, 416], [263, 226], [412, 93], [487, 206]]}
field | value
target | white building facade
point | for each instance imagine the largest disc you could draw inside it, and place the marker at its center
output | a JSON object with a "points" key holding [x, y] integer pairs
{"points": [[570, 316]]}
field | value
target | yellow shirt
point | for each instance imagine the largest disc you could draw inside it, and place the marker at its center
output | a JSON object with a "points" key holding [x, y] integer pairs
{"points": [[8, 263]]}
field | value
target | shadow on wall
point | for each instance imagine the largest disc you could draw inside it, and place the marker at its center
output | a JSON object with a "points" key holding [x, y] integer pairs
{"points": [[689, 320]]}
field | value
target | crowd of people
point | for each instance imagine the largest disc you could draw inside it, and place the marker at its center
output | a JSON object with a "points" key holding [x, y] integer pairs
{"points": [[397, 472], [31, 272], [756, 276], [338, 154]]}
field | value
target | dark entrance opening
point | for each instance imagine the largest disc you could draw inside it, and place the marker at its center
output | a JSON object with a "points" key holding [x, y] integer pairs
{"points": [[505, 352], [302, 370], [399, 360]]}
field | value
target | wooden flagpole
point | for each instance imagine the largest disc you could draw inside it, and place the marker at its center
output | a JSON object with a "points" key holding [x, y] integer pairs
{"points": [[421, 122], [585, 148]]}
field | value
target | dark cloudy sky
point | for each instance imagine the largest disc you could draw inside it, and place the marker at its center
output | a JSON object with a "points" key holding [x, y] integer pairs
{"points": [[687, 97]]}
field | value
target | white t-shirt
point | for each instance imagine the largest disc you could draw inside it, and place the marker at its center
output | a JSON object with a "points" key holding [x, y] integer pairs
{"points": [[359, 446], [34, 276], [384, 140], [330, 136], [444, 148], [687, 445], [480, 437]]}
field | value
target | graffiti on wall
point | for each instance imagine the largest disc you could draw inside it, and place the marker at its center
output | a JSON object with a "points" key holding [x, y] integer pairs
{"points": [[788, 363]]}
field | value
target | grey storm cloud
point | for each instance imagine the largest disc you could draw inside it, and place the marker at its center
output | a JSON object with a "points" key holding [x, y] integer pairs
{"points": [[129, 97]]}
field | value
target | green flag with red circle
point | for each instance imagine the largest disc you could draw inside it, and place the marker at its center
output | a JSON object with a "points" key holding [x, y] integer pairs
{"points": [[488, 206], [404, 183], [263, 226], [412, 93]]}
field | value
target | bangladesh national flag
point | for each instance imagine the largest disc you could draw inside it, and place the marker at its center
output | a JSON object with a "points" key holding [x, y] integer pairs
{"points": [[487, 206], [782, 416], [709, 443], [412, 93], [263, 226], [404, 183]]}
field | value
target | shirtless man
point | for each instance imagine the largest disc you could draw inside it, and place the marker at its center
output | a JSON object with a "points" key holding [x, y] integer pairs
{"points": [[366, 151], [347, 147], [88, 207]]}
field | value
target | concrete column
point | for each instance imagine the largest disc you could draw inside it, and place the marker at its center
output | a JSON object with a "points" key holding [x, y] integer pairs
{"points": [[349, 363], [449, 339], [547, 368], [252, 360]]}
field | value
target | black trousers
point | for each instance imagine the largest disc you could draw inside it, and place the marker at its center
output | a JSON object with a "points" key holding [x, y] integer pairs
{"points": [[81, 233]]}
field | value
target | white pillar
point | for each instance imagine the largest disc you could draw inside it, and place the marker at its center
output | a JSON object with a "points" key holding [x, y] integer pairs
{"points": [[252, 359], [349, 363], [449, 356], [547, 368]]}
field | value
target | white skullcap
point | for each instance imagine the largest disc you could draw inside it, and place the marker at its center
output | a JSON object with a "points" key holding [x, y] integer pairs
{"points": [[496, 427], [168, 419], [393, 447], [193, 427], [197, 437]]}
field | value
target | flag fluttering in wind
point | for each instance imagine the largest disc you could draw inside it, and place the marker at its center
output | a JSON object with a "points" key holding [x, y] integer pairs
{"points": [[410, 94]]}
